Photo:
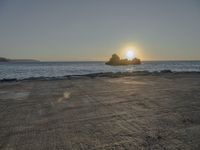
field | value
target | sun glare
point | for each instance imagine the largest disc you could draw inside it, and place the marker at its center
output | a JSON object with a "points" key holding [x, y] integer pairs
{"points": [[130, 54]]}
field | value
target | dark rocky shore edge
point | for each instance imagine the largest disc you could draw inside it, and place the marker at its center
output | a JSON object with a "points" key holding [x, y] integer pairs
{"points": [[103, 74]]}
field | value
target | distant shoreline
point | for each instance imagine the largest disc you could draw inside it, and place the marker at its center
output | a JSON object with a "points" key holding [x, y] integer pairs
{"points": [[3, 59]]}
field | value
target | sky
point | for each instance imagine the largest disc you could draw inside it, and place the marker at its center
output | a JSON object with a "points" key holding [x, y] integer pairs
{"points": [[76, 30]]}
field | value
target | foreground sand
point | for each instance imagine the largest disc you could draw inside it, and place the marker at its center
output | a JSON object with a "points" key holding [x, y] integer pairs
{"points": [[135, 112]]}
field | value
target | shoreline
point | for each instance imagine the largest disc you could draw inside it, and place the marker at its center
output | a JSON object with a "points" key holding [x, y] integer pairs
{"points": [[102, 74]]}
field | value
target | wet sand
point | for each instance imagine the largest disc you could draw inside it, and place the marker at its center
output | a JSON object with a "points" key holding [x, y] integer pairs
{"points": [[152, 111]]}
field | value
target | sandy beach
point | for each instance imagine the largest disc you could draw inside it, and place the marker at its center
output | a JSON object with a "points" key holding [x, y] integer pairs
{"points": [[140, 111]]}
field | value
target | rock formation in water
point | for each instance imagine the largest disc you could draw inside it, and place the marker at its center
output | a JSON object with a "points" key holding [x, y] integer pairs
{"points": [[115, 61]]}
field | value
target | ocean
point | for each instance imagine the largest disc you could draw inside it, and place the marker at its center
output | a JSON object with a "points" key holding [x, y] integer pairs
{"points": [[23, 70]]}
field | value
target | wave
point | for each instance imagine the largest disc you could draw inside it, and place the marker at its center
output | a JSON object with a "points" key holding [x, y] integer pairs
{"points": [[102, 74]]}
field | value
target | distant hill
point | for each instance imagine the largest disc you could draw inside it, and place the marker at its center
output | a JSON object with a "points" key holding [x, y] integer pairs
{"points": [[2, 59]]}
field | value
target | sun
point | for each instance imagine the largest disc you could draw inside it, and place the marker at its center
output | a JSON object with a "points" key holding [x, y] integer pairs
{"points": [[130, 54]]}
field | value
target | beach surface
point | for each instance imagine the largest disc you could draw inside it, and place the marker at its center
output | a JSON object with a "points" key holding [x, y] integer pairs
{"points": [[148, 111]]}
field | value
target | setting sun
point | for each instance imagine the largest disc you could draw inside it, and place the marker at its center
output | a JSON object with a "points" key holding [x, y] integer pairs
{"points": [[130, 54]]}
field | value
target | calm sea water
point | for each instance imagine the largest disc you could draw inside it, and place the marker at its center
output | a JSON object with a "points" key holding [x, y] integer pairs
{"points": [[21, 70]]}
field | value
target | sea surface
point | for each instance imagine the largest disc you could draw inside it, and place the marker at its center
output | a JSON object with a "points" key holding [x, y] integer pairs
{"points": [[22, 70]]}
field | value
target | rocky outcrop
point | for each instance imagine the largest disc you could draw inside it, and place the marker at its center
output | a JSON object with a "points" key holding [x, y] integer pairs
{"points": [[115, 61]]}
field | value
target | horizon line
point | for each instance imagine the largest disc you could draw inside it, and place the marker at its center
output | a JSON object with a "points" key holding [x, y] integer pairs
{"points": [[35, 59]]}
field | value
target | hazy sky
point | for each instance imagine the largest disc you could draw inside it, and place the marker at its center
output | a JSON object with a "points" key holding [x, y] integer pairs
{"points": [[94, 29]]}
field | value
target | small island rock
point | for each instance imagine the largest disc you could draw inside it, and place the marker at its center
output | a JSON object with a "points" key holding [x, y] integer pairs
{"points": [[115, 61]]}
